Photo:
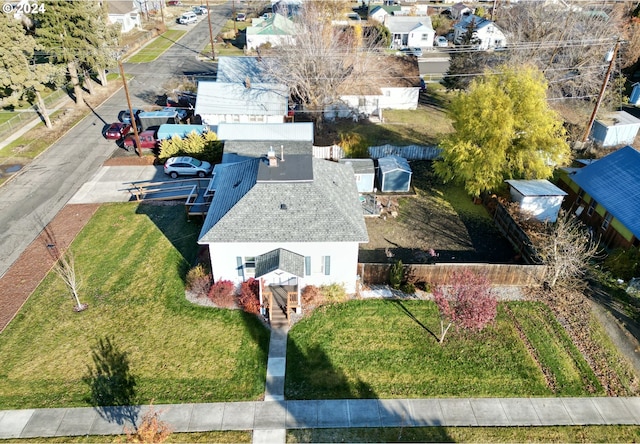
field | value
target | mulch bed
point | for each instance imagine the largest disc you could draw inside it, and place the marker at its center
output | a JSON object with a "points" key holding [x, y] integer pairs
{"points": [[24, 276]]}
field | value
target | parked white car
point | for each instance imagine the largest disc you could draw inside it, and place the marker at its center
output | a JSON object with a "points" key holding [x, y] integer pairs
{"points": [[186, 166], [442, 41], [187, 18]]}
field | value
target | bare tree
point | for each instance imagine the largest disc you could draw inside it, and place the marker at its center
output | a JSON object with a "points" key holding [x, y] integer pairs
{"points": [[567, 42], [65, 268], [323, 61], [566, 247]]}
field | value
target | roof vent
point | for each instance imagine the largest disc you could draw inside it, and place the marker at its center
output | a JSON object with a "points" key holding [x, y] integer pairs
{"points": [[283, 206], [271, 156], [247, 82]]}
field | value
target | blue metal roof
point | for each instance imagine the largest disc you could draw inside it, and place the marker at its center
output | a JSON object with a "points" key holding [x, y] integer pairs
{"points": [[614, 182]]}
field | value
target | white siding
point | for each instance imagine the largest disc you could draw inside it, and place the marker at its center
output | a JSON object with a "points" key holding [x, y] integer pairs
{"points": [[215, 119], [391, 98], [343, 262], [254, 41]]}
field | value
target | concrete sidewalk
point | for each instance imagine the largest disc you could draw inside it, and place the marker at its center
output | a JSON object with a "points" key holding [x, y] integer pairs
{"points": [[282, 415]]}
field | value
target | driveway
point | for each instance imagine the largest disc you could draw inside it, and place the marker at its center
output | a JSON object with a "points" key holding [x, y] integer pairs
{"points": [[33, 197]]}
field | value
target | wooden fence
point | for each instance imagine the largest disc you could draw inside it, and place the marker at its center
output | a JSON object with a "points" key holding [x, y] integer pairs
{"points": [[434, 274], [516, 235]]}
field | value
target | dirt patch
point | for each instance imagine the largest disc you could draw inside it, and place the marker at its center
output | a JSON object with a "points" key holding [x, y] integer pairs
{"points": [[434, 217]]}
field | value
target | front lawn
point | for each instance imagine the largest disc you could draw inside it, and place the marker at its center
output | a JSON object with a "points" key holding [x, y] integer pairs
{"points": [[388, 349], [132, 260], [154, 49]]}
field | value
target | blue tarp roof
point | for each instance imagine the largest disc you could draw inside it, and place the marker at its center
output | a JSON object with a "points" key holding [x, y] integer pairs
{"points": [[614, 182]]}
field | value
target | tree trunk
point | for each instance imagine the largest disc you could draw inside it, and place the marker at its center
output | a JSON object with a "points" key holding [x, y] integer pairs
{"points": [[443, 331], [43, 110], [88, 82], [75, 81], [102, 76]]}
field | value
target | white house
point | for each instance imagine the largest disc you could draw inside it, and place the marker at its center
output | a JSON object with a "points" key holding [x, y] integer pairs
{"points": [[291, 221], [124, 12], [486, 35], [274, 30], [246, 102], [378, 13], [538, 199], [409, 31], [460, 10]]}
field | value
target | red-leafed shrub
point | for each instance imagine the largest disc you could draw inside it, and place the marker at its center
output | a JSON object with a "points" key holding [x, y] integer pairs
{"points": [[221, 293], [468, 302], [249, 297]]}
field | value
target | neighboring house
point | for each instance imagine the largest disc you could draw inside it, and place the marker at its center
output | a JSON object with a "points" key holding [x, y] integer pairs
{"points": [[364, 172], [617, 128], [460, 10], [378, 13], [394, 174], [274, 30], [634, 98], [218, 102], [413, 32], [124, 12], [397, 86], [605, 195], [486, 35], [538, 199], [289, 223]]}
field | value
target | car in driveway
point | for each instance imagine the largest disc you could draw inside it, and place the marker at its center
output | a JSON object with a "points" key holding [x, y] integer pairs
{"points": [[188, 18], [117, 131], [125, 116], [186, 166], [148, 140], [200, 10], [442, 41], [241, 17]]}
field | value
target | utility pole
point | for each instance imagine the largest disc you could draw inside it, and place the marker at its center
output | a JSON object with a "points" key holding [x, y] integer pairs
{"points": [[602, 90], [233, 16], [136, 137], [213, 49]]}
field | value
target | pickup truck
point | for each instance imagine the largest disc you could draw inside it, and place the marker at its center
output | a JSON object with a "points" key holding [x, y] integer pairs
{"points": [[147, 140]]}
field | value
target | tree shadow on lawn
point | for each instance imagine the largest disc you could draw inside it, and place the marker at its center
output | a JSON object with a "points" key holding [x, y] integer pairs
{"points": [[112, 384]]}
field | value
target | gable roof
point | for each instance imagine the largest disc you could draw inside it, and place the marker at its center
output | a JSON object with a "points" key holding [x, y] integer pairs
{"points": [[263, 99], [535, 187], [393, 163], [237, 69], [614, 183], [406, 24], [384, 9], [479, 22], [277, 24], [325, 209], [121, 7], [301, 131], [280, 259]]}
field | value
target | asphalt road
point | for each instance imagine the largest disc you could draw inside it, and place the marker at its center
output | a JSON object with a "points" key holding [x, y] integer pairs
{"points": [[34, 196]]}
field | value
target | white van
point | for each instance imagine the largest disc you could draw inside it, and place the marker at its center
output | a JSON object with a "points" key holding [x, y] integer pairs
{"points": [[188, 17]]}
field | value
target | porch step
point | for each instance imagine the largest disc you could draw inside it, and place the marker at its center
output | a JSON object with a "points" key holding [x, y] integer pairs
{"points": [[278, 318]]}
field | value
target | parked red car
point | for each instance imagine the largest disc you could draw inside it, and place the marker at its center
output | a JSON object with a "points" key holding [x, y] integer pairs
{"points": [[117, 131], [147, 141]]}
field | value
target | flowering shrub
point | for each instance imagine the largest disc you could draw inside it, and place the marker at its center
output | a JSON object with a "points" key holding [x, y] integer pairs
{"points": [[221, 293], [249, 299]]}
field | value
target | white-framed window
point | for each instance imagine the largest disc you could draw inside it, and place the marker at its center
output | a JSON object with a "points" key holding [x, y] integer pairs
{"points": [[249, 266], [607, 220], [235, 118], [425, 37], [358, 177], [362, 101], [317, 265], [592, 207], [580, 198]]}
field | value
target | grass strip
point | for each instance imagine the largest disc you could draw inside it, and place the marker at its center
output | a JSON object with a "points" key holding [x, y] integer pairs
{"points": [[156, 47]]}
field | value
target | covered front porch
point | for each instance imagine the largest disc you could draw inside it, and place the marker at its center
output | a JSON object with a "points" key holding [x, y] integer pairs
{"points": [[280, 273]]}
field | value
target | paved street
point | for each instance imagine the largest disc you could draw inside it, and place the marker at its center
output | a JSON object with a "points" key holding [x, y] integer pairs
{"points": [[35, 195]]}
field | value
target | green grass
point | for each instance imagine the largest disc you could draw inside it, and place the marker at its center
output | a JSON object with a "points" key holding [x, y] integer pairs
{"points": [[155, 48], [588, 434], [132, 260], [388, 349], [569, 373]]}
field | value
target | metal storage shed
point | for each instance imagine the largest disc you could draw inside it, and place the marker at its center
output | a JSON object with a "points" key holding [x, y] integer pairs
{"points": [[394, 174], [618, 128], [539, 199], [364, 172]]}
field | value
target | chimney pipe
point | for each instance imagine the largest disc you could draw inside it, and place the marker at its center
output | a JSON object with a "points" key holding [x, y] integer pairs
{"points": [[271, 156], [282, 153]]}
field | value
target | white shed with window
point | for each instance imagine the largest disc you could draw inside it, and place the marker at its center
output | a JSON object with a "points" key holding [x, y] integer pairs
{"points": [[538, 199]]}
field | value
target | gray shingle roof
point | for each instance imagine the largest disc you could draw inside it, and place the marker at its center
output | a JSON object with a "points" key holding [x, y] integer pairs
{"points": [[280, 259], [614, 183], [237, 69], [326, 209], [253, 148]]}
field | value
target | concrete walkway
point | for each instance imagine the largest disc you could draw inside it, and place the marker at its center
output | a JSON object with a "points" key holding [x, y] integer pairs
{"points": [[270, 419]]}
